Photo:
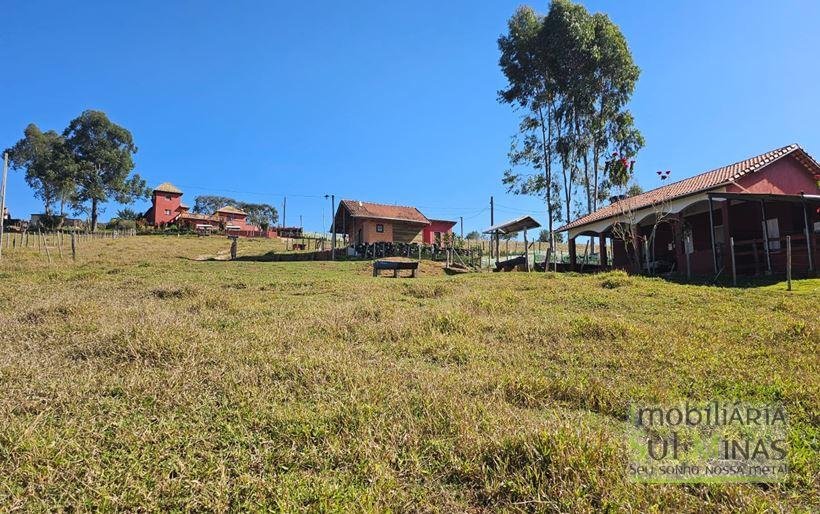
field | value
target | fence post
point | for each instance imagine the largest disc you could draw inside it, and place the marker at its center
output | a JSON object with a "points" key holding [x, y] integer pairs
{"points": [[73, 248], [45, 245], [734, 269], [789, 263]]}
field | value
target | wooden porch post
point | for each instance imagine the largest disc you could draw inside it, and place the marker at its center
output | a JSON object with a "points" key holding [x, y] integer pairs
{"points": [[808, 235], [497, 247], [712, 235], [526, 253], [727, 232], [766, 238], [680, 247], [602, 243], [572, 261]]}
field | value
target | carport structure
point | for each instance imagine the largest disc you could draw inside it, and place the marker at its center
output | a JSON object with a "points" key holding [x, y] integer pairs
{"points": [[514, 226]]}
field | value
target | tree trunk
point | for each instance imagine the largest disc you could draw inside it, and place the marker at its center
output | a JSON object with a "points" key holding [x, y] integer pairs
{"points": [[546, 148], [94, 215], [589, 195]]}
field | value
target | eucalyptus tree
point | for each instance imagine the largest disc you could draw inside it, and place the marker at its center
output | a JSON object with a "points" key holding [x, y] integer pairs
{"points": [[102, 152], [571, 73], [528, 64], [613, 78]]}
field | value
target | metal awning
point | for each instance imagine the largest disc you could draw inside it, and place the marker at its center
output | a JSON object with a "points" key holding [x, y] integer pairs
{"points": [[516, 225]]}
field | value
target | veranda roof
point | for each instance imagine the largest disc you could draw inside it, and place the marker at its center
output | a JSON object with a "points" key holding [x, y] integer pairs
{"points": [[516, 225]]}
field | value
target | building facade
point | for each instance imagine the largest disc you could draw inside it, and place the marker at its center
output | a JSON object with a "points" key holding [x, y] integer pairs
{"points": [[696, 226], [166, 205], [167, 209], [368, 223]]}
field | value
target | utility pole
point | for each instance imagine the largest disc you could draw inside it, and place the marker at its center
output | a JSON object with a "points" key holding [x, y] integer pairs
{"points": [[300, 221], [3, 199], [462, 226], [284, 210], [493, 234], [333, 227]]}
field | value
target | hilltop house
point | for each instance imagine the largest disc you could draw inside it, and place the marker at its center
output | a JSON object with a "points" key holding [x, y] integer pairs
{"points": [[167, 209], [367, 223], [166, 205], [745, 209]]}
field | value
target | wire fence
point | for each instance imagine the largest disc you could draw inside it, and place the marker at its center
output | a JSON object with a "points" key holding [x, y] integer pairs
{"points": [[58, 244]]}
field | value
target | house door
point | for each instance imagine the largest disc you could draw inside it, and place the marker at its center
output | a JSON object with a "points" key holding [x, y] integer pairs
{"points": [[359, 236]]}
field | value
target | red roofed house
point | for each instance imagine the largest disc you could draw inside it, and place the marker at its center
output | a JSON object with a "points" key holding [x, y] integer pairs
{"points": [[167, 208], [367, 223], [235, 220], [754, 203]]}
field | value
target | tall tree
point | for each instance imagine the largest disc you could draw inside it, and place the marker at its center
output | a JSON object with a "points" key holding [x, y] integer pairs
{"points": [[260, 214], [572, 74], [49, 167], [208, 204], [527, 63], [103, 153], [568, 32], [614, 75]]}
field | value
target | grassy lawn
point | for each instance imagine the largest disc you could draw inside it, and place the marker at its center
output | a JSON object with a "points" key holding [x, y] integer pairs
{"points": [[151, 374]]}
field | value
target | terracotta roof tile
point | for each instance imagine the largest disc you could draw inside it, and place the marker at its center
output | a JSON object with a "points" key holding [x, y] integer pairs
{"points": [[699, 183], [194, 216], [359, 209]]}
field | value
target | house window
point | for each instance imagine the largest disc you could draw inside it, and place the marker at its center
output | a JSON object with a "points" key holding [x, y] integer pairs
{"points": [[773, 227], [167, 197], [379, 227], [167, 212]]}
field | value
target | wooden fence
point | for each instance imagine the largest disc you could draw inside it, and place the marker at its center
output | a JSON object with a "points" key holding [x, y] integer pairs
{"points": [[56, 244]]}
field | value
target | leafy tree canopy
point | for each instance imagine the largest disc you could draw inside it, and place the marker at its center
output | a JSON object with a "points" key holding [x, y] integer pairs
{"points": [[103, 154], [260, 214], [128, 214], [570, 74], [48, 164]]}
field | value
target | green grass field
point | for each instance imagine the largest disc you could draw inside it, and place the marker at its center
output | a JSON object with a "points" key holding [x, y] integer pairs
{"points": [[151, 375]]}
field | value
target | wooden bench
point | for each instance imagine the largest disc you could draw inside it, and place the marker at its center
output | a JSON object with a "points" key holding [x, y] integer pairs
{"points": [[395, 266]]}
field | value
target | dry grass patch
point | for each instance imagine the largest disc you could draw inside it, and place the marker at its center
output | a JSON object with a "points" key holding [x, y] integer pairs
{"points": [[136, 381]]}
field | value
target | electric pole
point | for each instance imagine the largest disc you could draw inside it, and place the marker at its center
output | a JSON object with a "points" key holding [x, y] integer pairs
{"points": [[494, 233], [333, 227], [462, 226], [284, 210]]}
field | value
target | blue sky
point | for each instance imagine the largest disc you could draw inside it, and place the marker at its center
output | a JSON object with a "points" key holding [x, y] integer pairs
{"points": [[391, 102]]}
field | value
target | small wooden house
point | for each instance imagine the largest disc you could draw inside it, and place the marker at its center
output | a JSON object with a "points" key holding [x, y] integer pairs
{"points": [[367, 223]]}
